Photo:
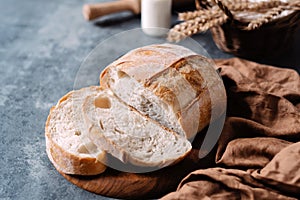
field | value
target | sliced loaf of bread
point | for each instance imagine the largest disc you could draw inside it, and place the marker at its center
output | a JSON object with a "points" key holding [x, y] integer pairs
{"points": [[129, 136], [67, 148]]}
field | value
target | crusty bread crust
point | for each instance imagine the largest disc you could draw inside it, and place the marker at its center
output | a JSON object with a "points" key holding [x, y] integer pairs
{"points": [[150, 60], [67, 162]]}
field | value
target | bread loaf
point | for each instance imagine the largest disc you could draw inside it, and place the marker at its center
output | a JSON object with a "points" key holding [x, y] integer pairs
{"points": [[69, 152], [170, 84], [129, 136], [151, 102]]}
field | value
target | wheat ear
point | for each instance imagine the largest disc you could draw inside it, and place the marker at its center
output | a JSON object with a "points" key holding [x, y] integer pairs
{"points": [[199, 13], [194, 26], [242, 6], [271, 14]]}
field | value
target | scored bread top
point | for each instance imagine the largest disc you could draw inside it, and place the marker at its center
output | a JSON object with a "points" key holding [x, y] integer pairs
{"points": [[145, 62], [66, 148], [169, 83]]}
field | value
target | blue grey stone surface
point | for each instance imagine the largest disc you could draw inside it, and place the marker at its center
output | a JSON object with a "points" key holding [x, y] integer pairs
{"points": [[42, 44]]}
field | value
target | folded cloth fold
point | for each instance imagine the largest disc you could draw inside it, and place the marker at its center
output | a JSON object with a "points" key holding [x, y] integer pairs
{"points": [[258, 152], [219, 183], [283, 172]]}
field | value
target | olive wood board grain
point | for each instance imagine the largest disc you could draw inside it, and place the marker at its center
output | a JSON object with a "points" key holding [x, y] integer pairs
{"points": [[125, 185]]}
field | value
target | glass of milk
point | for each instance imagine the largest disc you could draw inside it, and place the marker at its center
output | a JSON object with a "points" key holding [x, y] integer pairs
{"points": [[156, 17]]}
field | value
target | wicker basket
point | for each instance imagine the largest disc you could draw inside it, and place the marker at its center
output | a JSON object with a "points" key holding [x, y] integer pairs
{"points": [[271, 39]]}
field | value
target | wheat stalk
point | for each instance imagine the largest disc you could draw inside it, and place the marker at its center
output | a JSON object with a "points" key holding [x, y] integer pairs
{"points": [[194, 26], [199, 13], [202, 20], [235, 6], [267, 17], [271, 14], [252, 6]]}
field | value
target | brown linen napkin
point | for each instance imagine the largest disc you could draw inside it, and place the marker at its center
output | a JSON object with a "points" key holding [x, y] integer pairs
{"points": [[258, 156]]}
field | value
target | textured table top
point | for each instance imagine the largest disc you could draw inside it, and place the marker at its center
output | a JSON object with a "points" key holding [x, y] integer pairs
{"points": [[42, 44]]}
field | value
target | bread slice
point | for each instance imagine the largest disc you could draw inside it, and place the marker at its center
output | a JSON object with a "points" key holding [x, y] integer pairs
{"points": [[129, 136], [170, 84], [68, 150]]}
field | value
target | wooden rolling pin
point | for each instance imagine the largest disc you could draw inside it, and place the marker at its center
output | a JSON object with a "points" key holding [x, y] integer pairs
{"points": [[93, 11]]}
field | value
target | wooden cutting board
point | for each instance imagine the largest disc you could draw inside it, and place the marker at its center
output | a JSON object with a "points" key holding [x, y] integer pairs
{"points": [[116, 184]]}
